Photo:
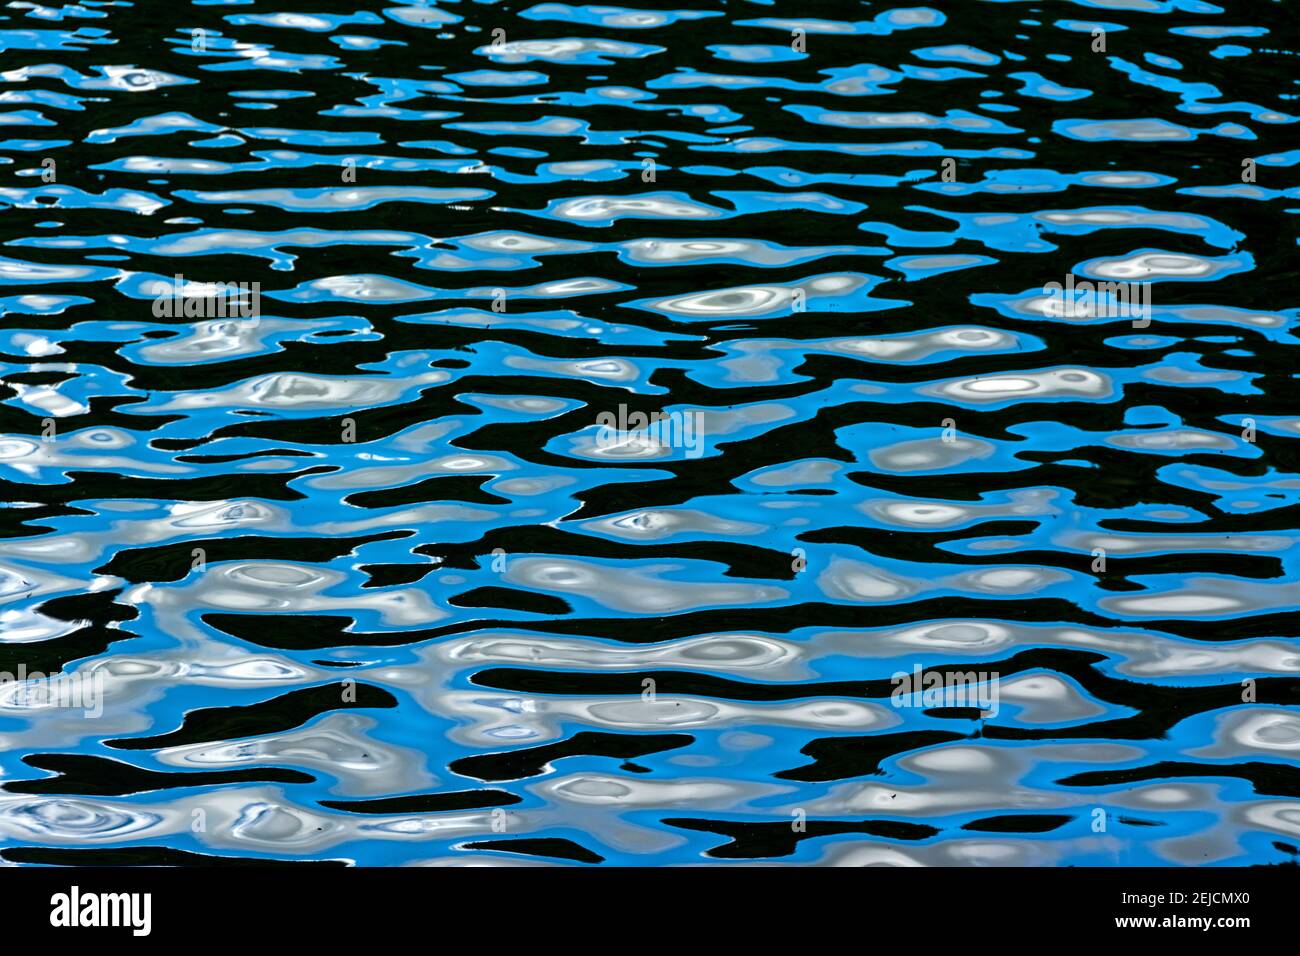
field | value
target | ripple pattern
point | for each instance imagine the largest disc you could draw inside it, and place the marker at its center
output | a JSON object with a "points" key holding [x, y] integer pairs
{"points": [[547, 434]]}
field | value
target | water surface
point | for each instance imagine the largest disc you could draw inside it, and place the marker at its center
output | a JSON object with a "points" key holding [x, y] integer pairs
{"points": [[387, 571]]}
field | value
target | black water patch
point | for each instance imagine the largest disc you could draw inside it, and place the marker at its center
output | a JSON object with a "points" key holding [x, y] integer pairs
{"points": [[267, 717], [531, 761], [513, 599], [840, 758], [450, 488], [751, 841], [553, 847], [427, 802], [1269, 779], [1019, 823], [88, 775], [172, 562]]}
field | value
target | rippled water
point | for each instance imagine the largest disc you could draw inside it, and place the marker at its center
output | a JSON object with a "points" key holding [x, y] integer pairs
{"points": [[380, 566]]}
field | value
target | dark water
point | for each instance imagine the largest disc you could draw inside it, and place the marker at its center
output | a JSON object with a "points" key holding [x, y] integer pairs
{"points": [[385, 569]]}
